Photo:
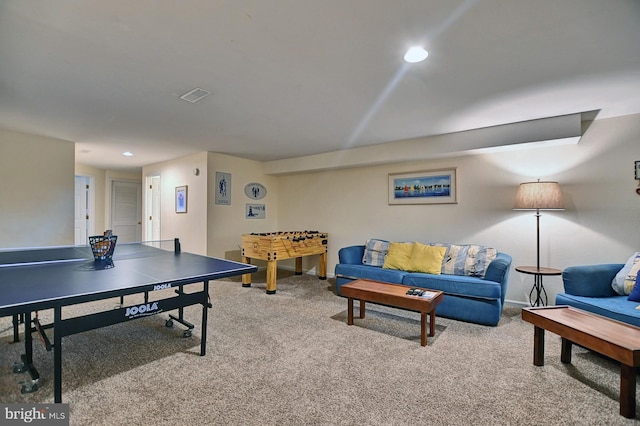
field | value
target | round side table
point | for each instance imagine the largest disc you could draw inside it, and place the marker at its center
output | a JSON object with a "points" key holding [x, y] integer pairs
{"points": [[538, 287]]}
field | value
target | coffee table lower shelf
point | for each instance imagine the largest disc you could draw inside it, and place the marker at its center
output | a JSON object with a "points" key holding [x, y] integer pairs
{"points": [[394, 295]]}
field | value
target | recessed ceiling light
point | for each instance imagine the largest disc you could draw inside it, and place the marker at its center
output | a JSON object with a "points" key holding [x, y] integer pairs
{"points": [[127, 154], [416, 54]]}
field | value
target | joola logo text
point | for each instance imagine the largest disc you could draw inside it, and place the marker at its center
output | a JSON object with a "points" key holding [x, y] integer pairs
{"points": [[161, 286], [142, 310]]}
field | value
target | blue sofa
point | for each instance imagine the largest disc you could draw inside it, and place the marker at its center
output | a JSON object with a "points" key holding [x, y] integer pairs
{"points": [[467, 298], [589, 288]]}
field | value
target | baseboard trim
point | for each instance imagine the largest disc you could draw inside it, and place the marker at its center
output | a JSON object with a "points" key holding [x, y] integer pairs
{"points": [[516, 303]]}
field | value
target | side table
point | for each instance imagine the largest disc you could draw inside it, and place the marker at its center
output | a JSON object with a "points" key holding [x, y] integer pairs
{"points": [[538, 287]]}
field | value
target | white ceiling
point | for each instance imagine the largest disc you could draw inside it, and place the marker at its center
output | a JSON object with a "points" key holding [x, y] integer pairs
{"points": [[290, 78]]}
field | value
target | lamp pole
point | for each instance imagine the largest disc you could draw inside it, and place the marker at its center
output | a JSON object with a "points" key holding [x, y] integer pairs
{"points": [[538, 239]]}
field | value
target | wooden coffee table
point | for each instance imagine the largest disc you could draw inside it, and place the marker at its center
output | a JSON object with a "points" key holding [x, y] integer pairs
{"points": [[393, 295], [614, 339]]}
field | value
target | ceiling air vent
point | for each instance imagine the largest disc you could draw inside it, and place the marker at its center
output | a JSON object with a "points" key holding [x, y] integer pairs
{"points": [[194, 95]]}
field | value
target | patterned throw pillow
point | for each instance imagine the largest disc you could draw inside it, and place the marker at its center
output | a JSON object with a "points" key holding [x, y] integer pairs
{"points": [[634, 296], [624, 280], [471, 259], [374, 252]]}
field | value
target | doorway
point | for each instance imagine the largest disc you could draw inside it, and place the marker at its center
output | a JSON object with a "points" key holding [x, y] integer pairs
{"points": [[84, 207], [126, 210]]}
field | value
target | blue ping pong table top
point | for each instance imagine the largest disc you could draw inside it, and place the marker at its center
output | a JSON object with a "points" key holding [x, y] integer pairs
{"points": [[41, 278]]}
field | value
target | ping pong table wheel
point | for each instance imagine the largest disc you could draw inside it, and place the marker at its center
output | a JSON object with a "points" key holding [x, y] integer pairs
{"points": [[29, 387], [186, 333], [19, 367], [168, 323]]}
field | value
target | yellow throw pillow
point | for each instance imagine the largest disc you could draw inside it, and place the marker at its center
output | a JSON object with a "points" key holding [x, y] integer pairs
{"points": [[399, 256], [427, 259]]}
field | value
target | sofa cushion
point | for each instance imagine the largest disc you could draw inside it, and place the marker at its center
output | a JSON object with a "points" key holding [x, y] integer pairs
{"points": [[427, 259], [368, 273], [399, 257], [374, 252], [625, 279], [615, 307], [455, 284], [468, 259]]}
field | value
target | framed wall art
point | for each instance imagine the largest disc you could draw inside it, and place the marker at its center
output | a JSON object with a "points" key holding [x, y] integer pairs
{"points": [[425, 187], [255, 211], [181, 199], [223, 188], [255, 191]]}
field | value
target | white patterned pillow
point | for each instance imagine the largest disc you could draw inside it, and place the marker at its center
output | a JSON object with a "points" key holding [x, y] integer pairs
{"points": [[625, 279], [375, 252], [469, 259]]}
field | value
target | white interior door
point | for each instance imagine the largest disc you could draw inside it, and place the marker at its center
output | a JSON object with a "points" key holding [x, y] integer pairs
{"points": [[126, 210], [81, 216], [152, 215]]}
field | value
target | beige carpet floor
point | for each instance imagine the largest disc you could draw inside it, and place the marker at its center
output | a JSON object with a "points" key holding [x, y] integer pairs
{"points": [[290, 359]]}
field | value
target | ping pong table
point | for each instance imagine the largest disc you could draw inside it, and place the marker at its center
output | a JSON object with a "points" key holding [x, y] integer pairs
{"points": [[56, 277]]}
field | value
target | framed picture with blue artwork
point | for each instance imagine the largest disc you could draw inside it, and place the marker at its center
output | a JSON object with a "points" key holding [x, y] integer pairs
{"points": [[181, 199], [426, 187]]}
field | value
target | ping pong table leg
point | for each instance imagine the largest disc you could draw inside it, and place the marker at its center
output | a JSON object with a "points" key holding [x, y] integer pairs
{"points": [[205, 309], [57, 355], [17, 319], [26, 359], [180, 317]]}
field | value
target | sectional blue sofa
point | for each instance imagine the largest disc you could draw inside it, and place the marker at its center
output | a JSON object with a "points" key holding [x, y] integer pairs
{"points": [[589, 288], [477, 299]]}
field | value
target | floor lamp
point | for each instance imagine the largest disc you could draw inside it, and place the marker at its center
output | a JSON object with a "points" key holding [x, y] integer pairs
{"points": [[539, 196]]}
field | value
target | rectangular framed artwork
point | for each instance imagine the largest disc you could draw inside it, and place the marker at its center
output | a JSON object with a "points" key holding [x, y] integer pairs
{"points": [[255, 211], [425, 187], [181, 199], [223, 188]]}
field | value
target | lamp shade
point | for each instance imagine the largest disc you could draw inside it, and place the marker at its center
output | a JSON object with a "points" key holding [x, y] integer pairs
{"points": [[539, 196]]}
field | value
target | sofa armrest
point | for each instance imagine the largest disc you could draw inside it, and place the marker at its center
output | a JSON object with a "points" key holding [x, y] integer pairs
{"points": [[351, 255], [590, 280], [498, 269]]}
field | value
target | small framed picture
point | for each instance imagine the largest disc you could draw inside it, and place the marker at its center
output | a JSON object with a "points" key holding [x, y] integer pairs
{"points": [[181, 199], [638, 170], [255, 211]]}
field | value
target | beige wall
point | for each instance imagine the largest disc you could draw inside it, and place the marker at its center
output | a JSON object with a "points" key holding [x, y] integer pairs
{"points": [[36, 189], [227, 223], [190, 227], [208, 228], [601, 223]]}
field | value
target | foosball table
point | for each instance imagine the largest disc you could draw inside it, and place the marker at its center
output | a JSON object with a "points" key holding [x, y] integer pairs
{"points": [[275, 246]]}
